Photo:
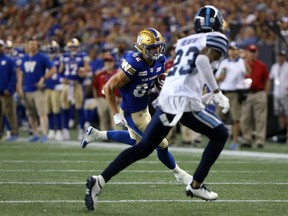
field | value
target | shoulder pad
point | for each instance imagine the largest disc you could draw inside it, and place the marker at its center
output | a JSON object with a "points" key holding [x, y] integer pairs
{"points": [[217, 41]]}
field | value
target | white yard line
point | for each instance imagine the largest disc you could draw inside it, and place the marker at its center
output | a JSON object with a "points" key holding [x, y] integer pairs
{"points": [[156, 161], [142, 183], [141, 201], [136, 171]]}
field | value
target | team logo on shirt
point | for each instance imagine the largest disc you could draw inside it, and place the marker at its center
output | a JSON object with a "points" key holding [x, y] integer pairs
{"points": [[3, 62], [30, 66], [127, 67]]}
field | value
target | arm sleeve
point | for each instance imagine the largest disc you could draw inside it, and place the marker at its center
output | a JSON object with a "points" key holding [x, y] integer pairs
{"points": [[204, 67]]}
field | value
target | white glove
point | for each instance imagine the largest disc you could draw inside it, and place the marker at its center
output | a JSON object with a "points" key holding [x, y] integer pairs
{"points": [[222, 101], [119, 120], [207, 99]]}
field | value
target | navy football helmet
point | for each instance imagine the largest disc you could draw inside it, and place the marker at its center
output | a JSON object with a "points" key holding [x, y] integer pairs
{"points": [[208, 19]]}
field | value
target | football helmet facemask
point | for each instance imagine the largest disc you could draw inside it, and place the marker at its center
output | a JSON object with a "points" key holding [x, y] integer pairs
{"points": [[147, 39], [208, 19]]}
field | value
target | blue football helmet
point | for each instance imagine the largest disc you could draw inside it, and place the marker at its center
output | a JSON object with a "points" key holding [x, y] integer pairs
{"points": [[208, 19]]}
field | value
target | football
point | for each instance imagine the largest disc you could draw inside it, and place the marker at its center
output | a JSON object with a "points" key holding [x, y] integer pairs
{"points": [[160, 80]]}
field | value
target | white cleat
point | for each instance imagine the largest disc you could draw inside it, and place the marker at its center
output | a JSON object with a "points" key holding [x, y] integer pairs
{"points": [[88, 136], [65, 134], [201, 192], [91, 135], [51, 134], [58, 135], [93, 190]]}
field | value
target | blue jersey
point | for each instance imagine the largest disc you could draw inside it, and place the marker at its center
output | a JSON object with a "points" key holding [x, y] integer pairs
{"points": [[72, 63], [136, 94], [34, 68], [7, 74], [54, 80], [17, 54]]}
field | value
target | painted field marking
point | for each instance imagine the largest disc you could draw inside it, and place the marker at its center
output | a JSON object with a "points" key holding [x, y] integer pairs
{"points": [[140, 201]]}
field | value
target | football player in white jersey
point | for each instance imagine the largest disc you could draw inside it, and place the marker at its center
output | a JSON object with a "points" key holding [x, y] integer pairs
{"points": [[181, 100]]}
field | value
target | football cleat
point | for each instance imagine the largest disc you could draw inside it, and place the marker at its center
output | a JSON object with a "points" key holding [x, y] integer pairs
{"points": [[201, 192], [58, 135], [87, 137], [65, 134], [51, 134], [93, 190], [90, 135]]}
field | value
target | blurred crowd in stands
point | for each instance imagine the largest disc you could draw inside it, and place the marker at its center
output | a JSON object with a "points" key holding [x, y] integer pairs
{"points": [[105, 23], [106, 29]]}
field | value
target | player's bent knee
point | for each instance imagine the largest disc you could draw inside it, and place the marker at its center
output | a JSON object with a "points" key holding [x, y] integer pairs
{"points": [[163, 144], [220, 134]]}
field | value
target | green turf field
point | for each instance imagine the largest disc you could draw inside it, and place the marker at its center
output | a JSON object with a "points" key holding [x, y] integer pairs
{"points": [[48, 179]]}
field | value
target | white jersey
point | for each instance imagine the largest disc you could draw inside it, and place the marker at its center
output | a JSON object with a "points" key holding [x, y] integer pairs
{"points": [[279, 73], [183, 87], [235, 72]]}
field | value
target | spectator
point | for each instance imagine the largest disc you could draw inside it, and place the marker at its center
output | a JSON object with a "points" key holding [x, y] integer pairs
{"points": [[230, 77], [31, 80], [254, 107], [279, 75], [7, 89]]}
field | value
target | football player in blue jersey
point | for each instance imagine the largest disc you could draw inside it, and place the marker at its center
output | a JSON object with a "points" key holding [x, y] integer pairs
{"points": [[31, 87], [135, 79], [74, 66], [7, 89], [52, 94], [181, 100]]}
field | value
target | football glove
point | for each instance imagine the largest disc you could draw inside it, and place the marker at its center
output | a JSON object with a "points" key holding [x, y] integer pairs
{"points": [[218, 99], [222, 101], [119, 120], [207, 99]]}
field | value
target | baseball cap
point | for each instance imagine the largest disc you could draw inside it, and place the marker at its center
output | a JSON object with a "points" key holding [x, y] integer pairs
{"points": [[2, 43], [282, 53], [233, 45], [252, 48]]}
